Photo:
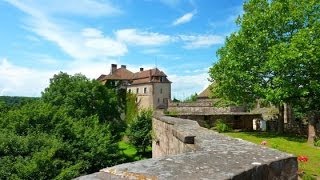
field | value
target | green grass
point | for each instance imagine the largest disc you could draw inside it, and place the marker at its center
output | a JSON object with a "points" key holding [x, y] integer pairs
{"points": [[127, 149], [131, 152], [286, 143]]}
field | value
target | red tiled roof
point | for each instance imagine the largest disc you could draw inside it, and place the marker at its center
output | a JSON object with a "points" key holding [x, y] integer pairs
{"points": [[121, 73], [148, 73], [101, 77], [141, 77]]}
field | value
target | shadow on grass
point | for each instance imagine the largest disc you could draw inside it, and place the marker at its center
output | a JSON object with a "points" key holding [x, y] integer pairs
{"points": [[289, 137]]}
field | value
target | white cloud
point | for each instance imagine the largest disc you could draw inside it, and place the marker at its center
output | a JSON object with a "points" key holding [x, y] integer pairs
{"points": [[184, 19], [90, 8], [201, 41], [88, 43], [16, 80], [142, 38], [185, 85], [23, 81], [91, 33]]}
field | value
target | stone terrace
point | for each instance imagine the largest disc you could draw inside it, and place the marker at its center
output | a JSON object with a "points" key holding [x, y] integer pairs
{"points": [[184, 150]]}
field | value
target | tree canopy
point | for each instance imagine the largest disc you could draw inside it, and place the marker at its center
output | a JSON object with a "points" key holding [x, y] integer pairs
{"points": [[72, 129], [273, 56]]}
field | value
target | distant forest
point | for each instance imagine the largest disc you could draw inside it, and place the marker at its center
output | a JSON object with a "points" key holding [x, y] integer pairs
{"points": [[13, 101]]}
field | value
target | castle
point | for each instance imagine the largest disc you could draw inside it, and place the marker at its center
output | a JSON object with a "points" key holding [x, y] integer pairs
{"points": [[152, 87]]}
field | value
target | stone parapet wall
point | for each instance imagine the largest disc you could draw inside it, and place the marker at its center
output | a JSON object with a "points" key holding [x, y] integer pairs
{"points": [[184, 150], [201, 107], [170, 138]]}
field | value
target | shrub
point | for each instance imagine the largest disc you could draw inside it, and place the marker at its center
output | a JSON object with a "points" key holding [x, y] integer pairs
{"points": [[221, 126], [139, 131], [317, 142]]}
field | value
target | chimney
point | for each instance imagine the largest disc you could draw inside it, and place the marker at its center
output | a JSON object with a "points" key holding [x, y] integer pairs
{"points": [[113, 68], [123, 66], [141, 69]]}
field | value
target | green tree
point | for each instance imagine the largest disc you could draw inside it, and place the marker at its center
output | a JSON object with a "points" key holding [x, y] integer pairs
{"points": [[192, 98], [82, 97], [273, 56], [131, 108], [139, 131], [68, 132]]}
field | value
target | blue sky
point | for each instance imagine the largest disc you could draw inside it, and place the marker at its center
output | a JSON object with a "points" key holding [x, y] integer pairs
{"points": [[39, 38]]}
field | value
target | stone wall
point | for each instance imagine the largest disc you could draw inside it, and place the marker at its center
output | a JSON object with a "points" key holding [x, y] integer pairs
{"points": [[170, 139], [242, 121], [201, 107], [184, 150]]}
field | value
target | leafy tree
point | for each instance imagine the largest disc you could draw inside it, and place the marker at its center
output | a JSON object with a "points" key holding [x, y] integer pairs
{"points": [[192, 98], [16, 101], [139, 131], [175, 100], [71, 130], [82, 97], [131, 108], [273, 56]]}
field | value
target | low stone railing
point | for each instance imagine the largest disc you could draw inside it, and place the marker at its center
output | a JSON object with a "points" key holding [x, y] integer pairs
{"points": [[184, 150]]}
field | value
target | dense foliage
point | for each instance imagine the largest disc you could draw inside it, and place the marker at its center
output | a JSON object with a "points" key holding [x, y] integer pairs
{"points": [[72, 129], [273, 56], [139, 131], [131, 108], [191, 98], [221, 126], [15, 101]]}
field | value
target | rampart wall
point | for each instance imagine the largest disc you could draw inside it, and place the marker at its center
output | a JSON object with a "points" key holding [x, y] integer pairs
{"points": [[184, 150]]}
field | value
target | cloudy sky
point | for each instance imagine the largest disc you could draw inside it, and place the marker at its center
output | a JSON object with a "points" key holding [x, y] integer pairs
{"points": [[39, 38]]}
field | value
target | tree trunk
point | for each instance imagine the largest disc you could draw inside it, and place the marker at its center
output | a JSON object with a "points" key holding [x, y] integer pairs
{"points": [[311, 128], [281, 119]]}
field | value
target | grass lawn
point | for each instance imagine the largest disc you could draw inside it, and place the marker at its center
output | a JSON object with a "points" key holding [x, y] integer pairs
{"points": [[132, 153], [290, 144]]}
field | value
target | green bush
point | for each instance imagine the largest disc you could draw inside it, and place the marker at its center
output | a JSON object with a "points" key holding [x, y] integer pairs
{"points": [[221, 126], [139, 131], [308, 177], [317, 142]]}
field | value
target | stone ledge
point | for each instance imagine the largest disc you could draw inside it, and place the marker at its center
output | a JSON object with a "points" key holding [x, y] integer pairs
{"points": [[206, 165], [183, 136], [215, 156]]}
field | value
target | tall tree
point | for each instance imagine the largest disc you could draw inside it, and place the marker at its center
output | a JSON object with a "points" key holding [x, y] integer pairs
{"points": [[71, 130], [82, 97], [273, 56]]}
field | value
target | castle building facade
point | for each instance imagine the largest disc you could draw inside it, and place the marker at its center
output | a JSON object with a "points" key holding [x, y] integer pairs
{"points": [[152, 87]]}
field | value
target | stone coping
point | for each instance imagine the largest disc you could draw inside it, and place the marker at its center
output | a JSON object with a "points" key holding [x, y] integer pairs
{"points": [[216, 156], [219, 114]]}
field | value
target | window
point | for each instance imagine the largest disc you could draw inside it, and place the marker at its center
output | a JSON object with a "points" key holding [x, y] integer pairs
{"points": [[161, 79], [164, 100], [137, 90], [161, 91], [145, 90], [158, 100]]}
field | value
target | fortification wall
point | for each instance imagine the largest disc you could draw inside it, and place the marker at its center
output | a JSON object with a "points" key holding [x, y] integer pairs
{"points": [[184, 150], [201, 107]]}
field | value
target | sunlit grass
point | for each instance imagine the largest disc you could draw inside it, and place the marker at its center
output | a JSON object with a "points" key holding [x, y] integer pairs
{"points": [[131, 152], [287, 143]]}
